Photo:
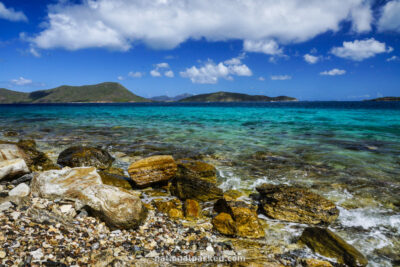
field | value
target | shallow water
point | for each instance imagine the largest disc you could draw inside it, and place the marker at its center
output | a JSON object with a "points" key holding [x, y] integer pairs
{"points": [[346, 151]]}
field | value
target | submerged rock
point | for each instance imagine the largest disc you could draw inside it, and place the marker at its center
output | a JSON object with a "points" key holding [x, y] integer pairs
{"points": [[195, 180], [152, 170], [294, 204], [244, 216], [80, 156], [328, 244], [115, 180], [191, 208], [224, 224], [11, 169], [117, 207], [173, 208], [35, 159]]}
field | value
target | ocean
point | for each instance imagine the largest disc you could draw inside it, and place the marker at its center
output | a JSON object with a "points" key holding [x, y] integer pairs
{"points": [[348, 152]]}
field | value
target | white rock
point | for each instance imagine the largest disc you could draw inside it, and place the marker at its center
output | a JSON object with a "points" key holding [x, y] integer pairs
{"points": [[15, 215], [66, 208], [5, 206], [10, 151], [22, 190], [37, 254], [209, 248], [152, 254], [117, 207], [13, 167]]}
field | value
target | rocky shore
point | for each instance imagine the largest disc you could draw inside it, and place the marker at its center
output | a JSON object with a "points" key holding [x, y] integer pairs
{"points": [[161, 210]]}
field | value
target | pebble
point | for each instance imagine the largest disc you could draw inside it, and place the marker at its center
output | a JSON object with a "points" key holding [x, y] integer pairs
{"points": [[22, 190], [2, 254], [5, 206], [37, 254]]}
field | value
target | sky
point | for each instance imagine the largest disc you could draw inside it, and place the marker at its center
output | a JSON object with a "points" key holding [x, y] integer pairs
{"points": [[309, 49]]}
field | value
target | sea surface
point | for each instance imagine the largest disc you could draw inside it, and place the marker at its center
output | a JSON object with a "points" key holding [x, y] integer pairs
{"points": [[348, 152]]}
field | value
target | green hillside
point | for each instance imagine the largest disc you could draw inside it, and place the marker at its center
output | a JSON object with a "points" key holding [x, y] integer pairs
{"points": [[235, 97], [103, 92], [386, 98]]}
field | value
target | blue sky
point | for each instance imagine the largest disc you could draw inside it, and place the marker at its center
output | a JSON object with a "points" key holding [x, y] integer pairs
{"points": [[309, 49]]}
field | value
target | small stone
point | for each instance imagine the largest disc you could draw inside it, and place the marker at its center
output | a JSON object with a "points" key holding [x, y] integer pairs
{"points": [[209, 248], [66, 208], [37, 254], [152, 254], [2, 254], [5, 206], [15, 215]]}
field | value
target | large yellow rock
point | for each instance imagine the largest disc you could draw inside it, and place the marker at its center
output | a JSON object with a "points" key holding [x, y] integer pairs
{"points": [[295, 204], [173, 207], [191, 208], [152, 170], [224, 224], [325, 242]]}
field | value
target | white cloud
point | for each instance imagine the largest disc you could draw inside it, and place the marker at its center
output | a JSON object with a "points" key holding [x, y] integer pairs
{"points": [[160, 66], [392, 58], [361, 49], [269, 47], [281, 77], [11, 14], [21, 81], [311, 59], [210, 72], [155, 73], [117, 24], [261, 78], [120, 78], [390, 19], [333, 72], [135, 74], [169, 74]]}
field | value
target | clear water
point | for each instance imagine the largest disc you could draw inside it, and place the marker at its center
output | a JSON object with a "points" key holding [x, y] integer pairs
{"points": [[346, 151]]}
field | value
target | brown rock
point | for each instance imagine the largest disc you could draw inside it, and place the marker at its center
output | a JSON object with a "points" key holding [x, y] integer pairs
{"points": [[173, 208], [152, 170], [327, 243], [315, 263], [82, 156], [294, 204], [191, 208], [115, 180], [224, 224], [195, 180], [244, 216]]}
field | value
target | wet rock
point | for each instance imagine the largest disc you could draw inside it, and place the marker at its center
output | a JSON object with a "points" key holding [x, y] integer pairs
{"points": [[173, 208], [80, 156], [224, 224], [35, 159], [23, 179], [10, 134], [117, 207], [244, 216], [11, 169], [115, 180], [296, 204], [22, 190], [327, 243], [315, 263], [195, 180], [191, 208], [152, 170]]}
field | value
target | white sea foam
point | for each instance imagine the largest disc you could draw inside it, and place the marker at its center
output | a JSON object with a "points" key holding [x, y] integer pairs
{"points": [[231, 181], [368, 218]]}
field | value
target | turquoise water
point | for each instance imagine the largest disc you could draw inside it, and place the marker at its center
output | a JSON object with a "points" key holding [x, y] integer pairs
{"points": [[346, 151]]}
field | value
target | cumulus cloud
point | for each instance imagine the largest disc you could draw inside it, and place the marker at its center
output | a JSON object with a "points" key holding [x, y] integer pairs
{"points": [[333, 72], [160, 67], [269, 47], [135, 74], [164, 24], [390, 19], [11, 14], [361, 49], [210, 72], [281, 77], [311, 59], [21, 81], [261, 78], [120, 78], [392, 58]]}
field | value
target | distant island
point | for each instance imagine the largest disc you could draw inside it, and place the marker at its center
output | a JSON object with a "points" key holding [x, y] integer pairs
{"points": [[235, 97], [165, 98], [107, 92], [386, 98], [111, 92]]}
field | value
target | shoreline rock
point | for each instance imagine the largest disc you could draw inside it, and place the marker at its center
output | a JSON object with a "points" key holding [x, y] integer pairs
{"points": [[81, 156]]}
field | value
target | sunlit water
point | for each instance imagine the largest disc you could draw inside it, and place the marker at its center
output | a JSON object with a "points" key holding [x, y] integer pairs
{"points": [[347, 151]]}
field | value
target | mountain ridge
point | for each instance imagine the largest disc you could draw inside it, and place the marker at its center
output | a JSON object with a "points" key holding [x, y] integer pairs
{"points": [[235, 97], [107, 92]]}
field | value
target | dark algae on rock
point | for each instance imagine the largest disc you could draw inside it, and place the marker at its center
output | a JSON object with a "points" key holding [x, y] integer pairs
{"points": [[79, 156]]}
